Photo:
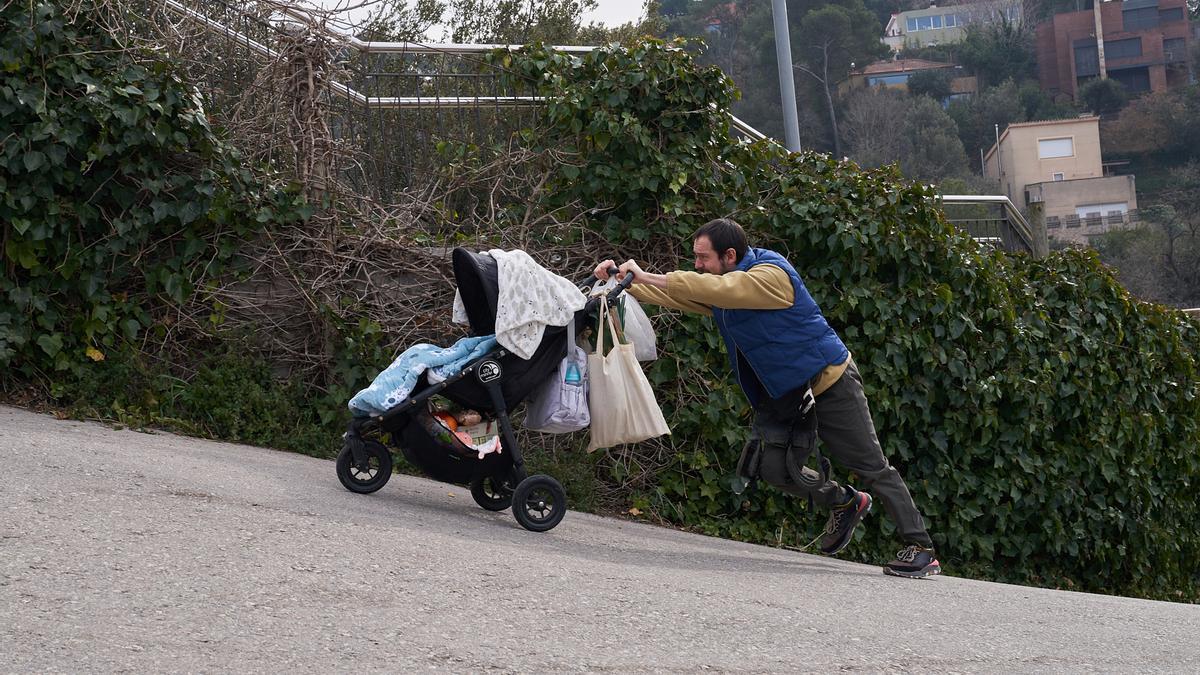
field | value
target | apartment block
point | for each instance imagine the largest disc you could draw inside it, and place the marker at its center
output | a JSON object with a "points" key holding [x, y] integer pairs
{"points": [[1143, 44]]}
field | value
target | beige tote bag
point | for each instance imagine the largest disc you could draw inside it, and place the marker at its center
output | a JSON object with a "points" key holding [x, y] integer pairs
{"points": [[622, 404]]}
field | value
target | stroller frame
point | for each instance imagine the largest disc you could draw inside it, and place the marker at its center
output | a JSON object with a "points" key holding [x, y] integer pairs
{"points": [[499, 479]]}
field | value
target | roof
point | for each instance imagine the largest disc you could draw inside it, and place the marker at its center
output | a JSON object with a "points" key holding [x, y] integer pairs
{"points": [[901, 66], [1037, 123]]}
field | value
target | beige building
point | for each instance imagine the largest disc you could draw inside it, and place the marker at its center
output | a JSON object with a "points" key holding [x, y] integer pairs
{"points": [[1056, 166], [945, 25], [895, 73]]}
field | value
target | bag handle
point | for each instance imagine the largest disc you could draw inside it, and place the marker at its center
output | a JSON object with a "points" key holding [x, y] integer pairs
{"points": [[571, 337], [606, 316]]}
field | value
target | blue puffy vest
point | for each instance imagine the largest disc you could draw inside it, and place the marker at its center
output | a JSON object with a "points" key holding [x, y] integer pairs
{"points": [[777, 349]]}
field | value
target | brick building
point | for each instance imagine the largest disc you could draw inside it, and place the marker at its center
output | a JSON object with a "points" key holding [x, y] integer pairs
{"points": [[1143, 44]]}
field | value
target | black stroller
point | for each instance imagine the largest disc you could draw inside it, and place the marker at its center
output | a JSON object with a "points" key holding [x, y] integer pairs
{"points": [[492, 384]]}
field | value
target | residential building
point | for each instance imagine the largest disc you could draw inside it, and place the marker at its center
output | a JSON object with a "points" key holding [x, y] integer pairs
{"points": [[894, 74], [1057, 165], [945, 25], [1143, 44]]}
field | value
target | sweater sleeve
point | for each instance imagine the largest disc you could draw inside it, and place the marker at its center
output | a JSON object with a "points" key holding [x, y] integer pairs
{"points": [[658, 296], [762, 287]]}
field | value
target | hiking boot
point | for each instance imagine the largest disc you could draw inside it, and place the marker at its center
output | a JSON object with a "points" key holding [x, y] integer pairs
{"points": [[842, 522], [914, 562]]}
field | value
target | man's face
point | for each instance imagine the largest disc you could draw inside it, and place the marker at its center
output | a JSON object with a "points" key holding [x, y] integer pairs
{"points": [[708, 260]]}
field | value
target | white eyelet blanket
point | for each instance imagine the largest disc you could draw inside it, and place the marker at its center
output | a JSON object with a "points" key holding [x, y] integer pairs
{"points": [[530, 298]]}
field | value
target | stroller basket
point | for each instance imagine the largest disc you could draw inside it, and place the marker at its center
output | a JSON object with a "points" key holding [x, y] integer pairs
{"points": [[493, 384]]}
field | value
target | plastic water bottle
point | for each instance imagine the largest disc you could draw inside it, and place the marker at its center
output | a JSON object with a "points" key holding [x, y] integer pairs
{"points": [[573, 375]]}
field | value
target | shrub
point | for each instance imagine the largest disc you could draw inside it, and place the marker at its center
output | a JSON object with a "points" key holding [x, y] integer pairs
{"points": [[1046, 422], [119, 200]]}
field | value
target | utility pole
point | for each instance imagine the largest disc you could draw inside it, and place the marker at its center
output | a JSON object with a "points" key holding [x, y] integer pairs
{"points": [[787, 85], [1099, 39]]}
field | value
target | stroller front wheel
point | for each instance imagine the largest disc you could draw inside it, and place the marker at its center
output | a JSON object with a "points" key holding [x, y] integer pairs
{"points": [[370, 476], [492, 493], [539, 503]]}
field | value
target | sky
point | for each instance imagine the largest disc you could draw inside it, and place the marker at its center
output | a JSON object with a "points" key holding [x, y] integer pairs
{"points": [[607, 12], [615, 12]]}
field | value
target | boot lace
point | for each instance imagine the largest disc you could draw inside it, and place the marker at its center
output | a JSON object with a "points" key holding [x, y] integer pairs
{"points": [[908, 553], [836, 518]]}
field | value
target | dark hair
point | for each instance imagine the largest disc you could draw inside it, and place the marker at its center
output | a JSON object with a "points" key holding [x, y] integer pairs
{"points": [[724, 234]]}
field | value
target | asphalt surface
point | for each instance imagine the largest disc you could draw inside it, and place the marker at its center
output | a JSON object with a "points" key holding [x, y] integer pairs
{"points": [[129, 551]]}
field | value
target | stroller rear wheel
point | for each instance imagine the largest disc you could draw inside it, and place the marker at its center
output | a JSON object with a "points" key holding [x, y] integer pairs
{"points": [[369, 476], [492, 492], [539, 503]]}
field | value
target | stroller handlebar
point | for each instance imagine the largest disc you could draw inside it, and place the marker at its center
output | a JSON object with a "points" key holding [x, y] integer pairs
{"points": [[622, 285]]}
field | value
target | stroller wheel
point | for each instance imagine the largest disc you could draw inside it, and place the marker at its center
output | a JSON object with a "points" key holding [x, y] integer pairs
{"points": [[370, 476], [492, 493], [539, 503]]}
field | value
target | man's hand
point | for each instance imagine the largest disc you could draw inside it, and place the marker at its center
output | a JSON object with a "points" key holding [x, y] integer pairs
{"points": [[631, 267], [601, 271]]}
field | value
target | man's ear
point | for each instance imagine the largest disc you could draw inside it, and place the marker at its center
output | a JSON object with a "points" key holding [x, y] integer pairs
{"points": [[730, 257]]}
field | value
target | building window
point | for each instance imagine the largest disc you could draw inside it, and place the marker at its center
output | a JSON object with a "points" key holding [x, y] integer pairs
{"points": [[1087, 60], [1139, 19], [1052, 148], [1123, 49], [951, 20], [1174, 50], [885, 80], [936, 20], [1170, 15], [1071, 220], [1057, 175], [1053, 223], [1116, 217], [1092, 212], [1136, 80], [910, 23], [924, 23]]}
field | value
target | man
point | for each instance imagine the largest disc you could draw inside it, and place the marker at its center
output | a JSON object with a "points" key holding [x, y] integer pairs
{"points": [[790, 362]]}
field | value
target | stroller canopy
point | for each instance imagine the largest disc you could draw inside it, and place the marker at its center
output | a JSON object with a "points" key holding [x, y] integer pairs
{"points": [[476, 276]]}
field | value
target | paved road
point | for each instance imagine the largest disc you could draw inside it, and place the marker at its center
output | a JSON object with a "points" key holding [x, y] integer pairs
{"points": [[142, 552]]}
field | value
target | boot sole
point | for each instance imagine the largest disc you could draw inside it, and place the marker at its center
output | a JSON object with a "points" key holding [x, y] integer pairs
{"points": [[923, 573]]}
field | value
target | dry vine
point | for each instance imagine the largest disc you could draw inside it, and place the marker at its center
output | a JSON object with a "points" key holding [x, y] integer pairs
{"points": [[363, 257]]}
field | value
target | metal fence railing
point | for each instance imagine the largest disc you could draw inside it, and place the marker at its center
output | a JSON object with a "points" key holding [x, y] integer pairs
{"points": [[993, 220], [393, 104]]}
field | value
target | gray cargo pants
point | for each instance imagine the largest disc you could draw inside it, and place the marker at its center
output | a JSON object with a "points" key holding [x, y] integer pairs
{"points": [[847, 434]]}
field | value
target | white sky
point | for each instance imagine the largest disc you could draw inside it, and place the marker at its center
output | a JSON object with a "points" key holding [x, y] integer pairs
{"points": [[615, 12], [607, 12]]}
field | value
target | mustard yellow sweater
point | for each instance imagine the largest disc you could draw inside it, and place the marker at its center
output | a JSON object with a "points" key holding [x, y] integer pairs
{"points": [[761, 287]]}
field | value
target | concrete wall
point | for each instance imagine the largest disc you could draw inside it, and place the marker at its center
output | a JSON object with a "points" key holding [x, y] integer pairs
{"points": [[1061, 199]]}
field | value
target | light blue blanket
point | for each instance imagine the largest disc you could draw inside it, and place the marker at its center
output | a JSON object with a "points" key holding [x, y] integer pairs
{"points": [[396, 382]]}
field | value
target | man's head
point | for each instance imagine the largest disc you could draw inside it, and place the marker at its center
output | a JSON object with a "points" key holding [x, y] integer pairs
{"points": [[719, 245]]}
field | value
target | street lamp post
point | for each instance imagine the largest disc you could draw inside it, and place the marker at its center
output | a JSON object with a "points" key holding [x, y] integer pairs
{"points": [[787, 85]]}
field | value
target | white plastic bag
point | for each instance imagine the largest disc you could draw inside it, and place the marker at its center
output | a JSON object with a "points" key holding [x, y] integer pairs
{"points": [[634, 322], [638, 329], [560, 405], [622, 403]]}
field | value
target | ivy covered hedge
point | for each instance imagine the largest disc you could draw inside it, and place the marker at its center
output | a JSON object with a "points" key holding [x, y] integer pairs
{"points": [[118, 200], [1047, 423]]}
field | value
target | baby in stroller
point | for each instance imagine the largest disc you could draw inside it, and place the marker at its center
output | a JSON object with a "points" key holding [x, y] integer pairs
{"points": [[493, 381]]}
